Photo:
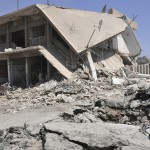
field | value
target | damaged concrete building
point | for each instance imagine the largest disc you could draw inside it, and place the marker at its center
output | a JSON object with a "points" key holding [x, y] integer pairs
{"points": [[40, 39]]}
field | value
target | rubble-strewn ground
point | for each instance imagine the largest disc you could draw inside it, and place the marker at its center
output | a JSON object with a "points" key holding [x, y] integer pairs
{"points": [[88, 114]]}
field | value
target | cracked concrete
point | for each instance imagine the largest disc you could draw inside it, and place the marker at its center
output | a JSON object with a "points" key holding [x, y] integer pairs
{"points": [[73, 136], [78, 119], [99, 135]]}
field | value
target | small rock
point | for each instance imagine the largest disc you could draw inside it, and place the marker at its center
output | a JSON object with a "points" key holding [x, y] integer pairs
{"points": [[131, 89], [50, 85], [86, 70], [91, 117], [148, 131], [124, 119], [33, 130], [67, 99], [141, 85], [81, 119], [135, 104], [144, 119], [117, 81]]}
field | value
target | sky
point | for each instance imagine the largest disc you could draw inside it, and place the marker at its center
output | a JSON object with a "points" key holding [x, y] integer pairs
{"points": [[127, 7]]}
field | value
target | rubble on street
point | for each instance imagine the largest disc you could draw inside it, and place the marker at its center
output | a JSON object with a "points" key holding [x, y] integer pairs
{"points": [[90, 103], [126, 103]]}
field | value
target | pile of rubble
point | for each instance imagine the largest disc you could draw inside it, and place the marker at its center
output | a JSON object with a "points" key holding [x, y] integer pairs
{"points": [[115, 104], [111, 98]]}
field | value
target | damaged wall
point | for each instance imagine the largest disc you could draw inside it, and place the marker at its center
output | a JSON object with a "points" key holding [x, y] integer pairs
{"points": [[126, 43], [105, 56], [120, 45]]}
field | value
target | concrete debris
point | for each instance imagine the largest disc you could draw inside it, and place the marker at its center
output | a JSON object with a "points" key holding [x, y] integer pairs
{"points": [[100, 100], [73, 136], [142, 85], [135, 104], [89, 102], [18, 138], [117, 81], [8, 49]]}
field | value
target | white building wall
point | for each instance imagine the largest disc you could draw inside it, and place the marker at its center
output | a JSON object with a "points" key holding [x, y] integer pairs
{"points": [[120, 45]]}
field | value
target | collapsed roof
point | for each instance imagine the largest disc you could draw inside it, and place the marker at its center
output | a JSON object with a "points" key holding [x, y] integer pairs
{"points": [[84, 29], [133, 24], [75, 26]]}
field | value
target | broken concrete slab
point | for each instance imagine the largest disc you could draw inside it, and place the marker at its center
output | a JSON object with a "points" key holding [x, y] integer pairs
{"points": [[99, 135], [57, 142], [113, 11], [117, 81], [86, 27], [59, 66]]}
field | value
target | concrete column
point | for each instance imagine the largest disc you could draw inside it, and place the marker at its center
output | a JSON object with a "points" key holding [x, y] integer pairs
{"points": [[91, 65], [147, 71], [9, 71], [27, 71], [11, 67], [142, 69], [8, 36], [138, 69], [48, 70], [47, 33], [26, 31]]}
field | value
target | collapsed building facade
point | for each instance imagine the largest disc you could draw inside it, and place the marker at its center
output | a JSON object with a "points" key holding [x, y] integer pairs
{"points": [[40, 39]]}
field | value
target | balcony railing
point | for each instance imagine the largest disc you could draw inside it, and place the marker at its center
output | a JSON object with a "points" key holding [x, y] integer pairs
{"points": [[141, 69]]}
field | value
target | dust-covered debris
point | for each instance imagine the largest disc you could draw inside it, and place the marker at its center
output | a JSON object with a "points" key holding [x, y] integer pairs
{"points": [[100, 100], [73, 136], [90, 102]]}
